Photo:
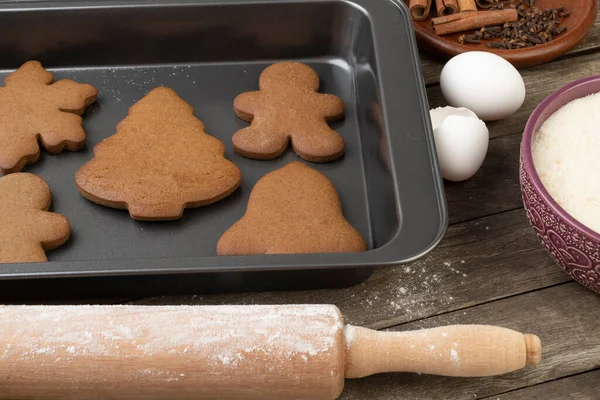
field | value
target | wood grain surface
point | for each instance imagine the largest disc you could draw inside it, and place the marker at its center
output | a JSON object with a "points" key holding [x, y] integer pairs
{"points": [[488, 269], [575, 387]]}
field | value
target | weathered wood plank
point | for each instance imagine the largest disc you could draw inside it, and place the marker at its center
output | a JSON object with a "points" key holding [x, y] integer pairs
{"points": [[540, 82], [478, 261], [565, 317], [495, 188], [432, 66], [590, 42], [579, 387]]}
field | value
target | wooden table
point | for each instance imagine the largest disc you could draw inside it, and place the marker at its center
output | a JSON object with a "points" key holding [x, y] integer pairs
{"points": [[489, 269]]}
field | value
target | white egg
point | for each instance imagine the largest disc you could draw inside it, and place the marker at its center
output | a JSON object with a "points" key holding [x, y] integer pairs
{"points": [[461, 141], [484, 83]]}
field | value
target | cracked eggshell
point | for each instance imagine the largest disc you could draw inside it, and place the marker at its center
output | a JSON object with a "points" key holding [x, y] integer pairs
{"points": [[461, 141], [484, 83]]}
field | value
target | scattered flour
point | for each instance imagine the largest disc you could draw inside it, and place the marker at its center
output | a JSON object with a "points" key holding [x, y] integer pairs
{"points": [[418, 289], [565, 155]]}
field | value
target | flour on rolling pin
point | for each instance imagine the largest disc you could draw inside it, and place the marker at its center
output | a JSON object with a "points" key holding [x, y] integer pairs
{"points": [[209, 345], [263, 328]]}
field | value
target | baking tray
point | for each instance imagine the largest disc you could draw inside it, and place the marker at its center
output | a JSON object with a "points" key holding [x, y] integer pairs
{"points": [[208, 52]]}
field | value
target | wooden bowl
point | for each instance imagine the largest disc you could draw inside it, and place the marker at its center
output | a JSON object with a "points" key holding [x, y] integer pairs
{"points": [[582, 18]]}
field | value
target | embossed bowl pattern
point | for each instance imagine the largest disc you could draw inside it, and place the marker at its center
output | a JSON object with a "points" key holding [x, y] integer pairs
{"points": [[575, 247]]}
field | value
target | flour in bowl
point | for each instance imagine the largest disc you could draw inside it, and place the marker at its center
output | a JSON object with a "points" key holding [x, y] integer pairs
{"points": [[566, 155]]}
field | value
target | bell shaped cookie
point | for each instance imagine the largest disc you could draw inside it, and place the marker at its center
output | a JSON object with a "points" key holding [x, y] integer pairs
{"points": [[294, 209]]}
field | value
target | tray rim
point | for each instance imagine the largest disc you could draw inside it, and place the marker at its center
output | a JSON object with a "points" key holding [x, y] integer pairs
{"points": [[385, 255]]}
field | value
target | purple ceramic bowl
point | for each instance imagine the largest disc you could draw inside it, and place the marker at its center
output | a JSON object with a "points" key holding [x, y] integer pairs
{"points": [[575, 247]]}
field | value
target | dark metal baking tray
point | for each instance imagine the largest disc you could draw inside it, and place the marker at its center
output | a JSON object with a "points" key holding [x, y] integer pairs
{"points": [[208, 52]]}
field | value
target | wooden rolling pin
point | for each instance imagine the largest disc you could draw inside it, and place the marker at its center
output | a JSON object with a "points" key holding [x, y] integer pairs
{"points": [[228, 352]]}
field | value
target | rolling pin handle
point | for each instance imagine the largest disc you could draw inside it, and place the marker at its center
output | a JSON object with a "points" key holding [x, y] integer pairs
{"points": [[458, 350], [533, 345]]}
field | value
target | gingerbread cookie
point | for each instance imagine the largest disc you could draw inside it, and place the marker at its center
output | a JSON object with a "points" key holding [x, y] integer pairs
{"points": [[294, 209], [288, 107], [159, 162], [27, 230], [33, 107]]}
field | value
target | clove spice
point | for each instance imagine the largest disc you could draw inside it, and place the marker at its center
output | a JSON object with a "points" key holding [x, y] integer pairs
{"points": [[534, 26], [470, 39]]}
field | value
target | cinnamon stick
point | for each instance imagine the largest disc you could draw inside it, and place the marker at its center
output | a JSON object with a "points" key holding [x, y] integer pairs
{"points": [[466, 5], [419, 9], [476, 20], [486, 3], [446, 7], [450, 18]]}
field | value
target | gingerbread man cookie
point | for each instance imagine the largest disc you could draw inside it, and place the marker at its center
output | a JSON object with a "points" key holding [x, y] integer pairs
{"points": [[159, 162], [27, 230], [294, 209], [32, 108], [288, 107]]}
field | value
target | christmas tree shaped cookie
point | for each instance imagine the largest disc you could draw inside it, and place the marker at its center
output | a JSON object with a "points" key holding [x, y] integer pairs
{"points": [[159, 162], [288, 107], [32, 108], [294, 209], [27, 230]]}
